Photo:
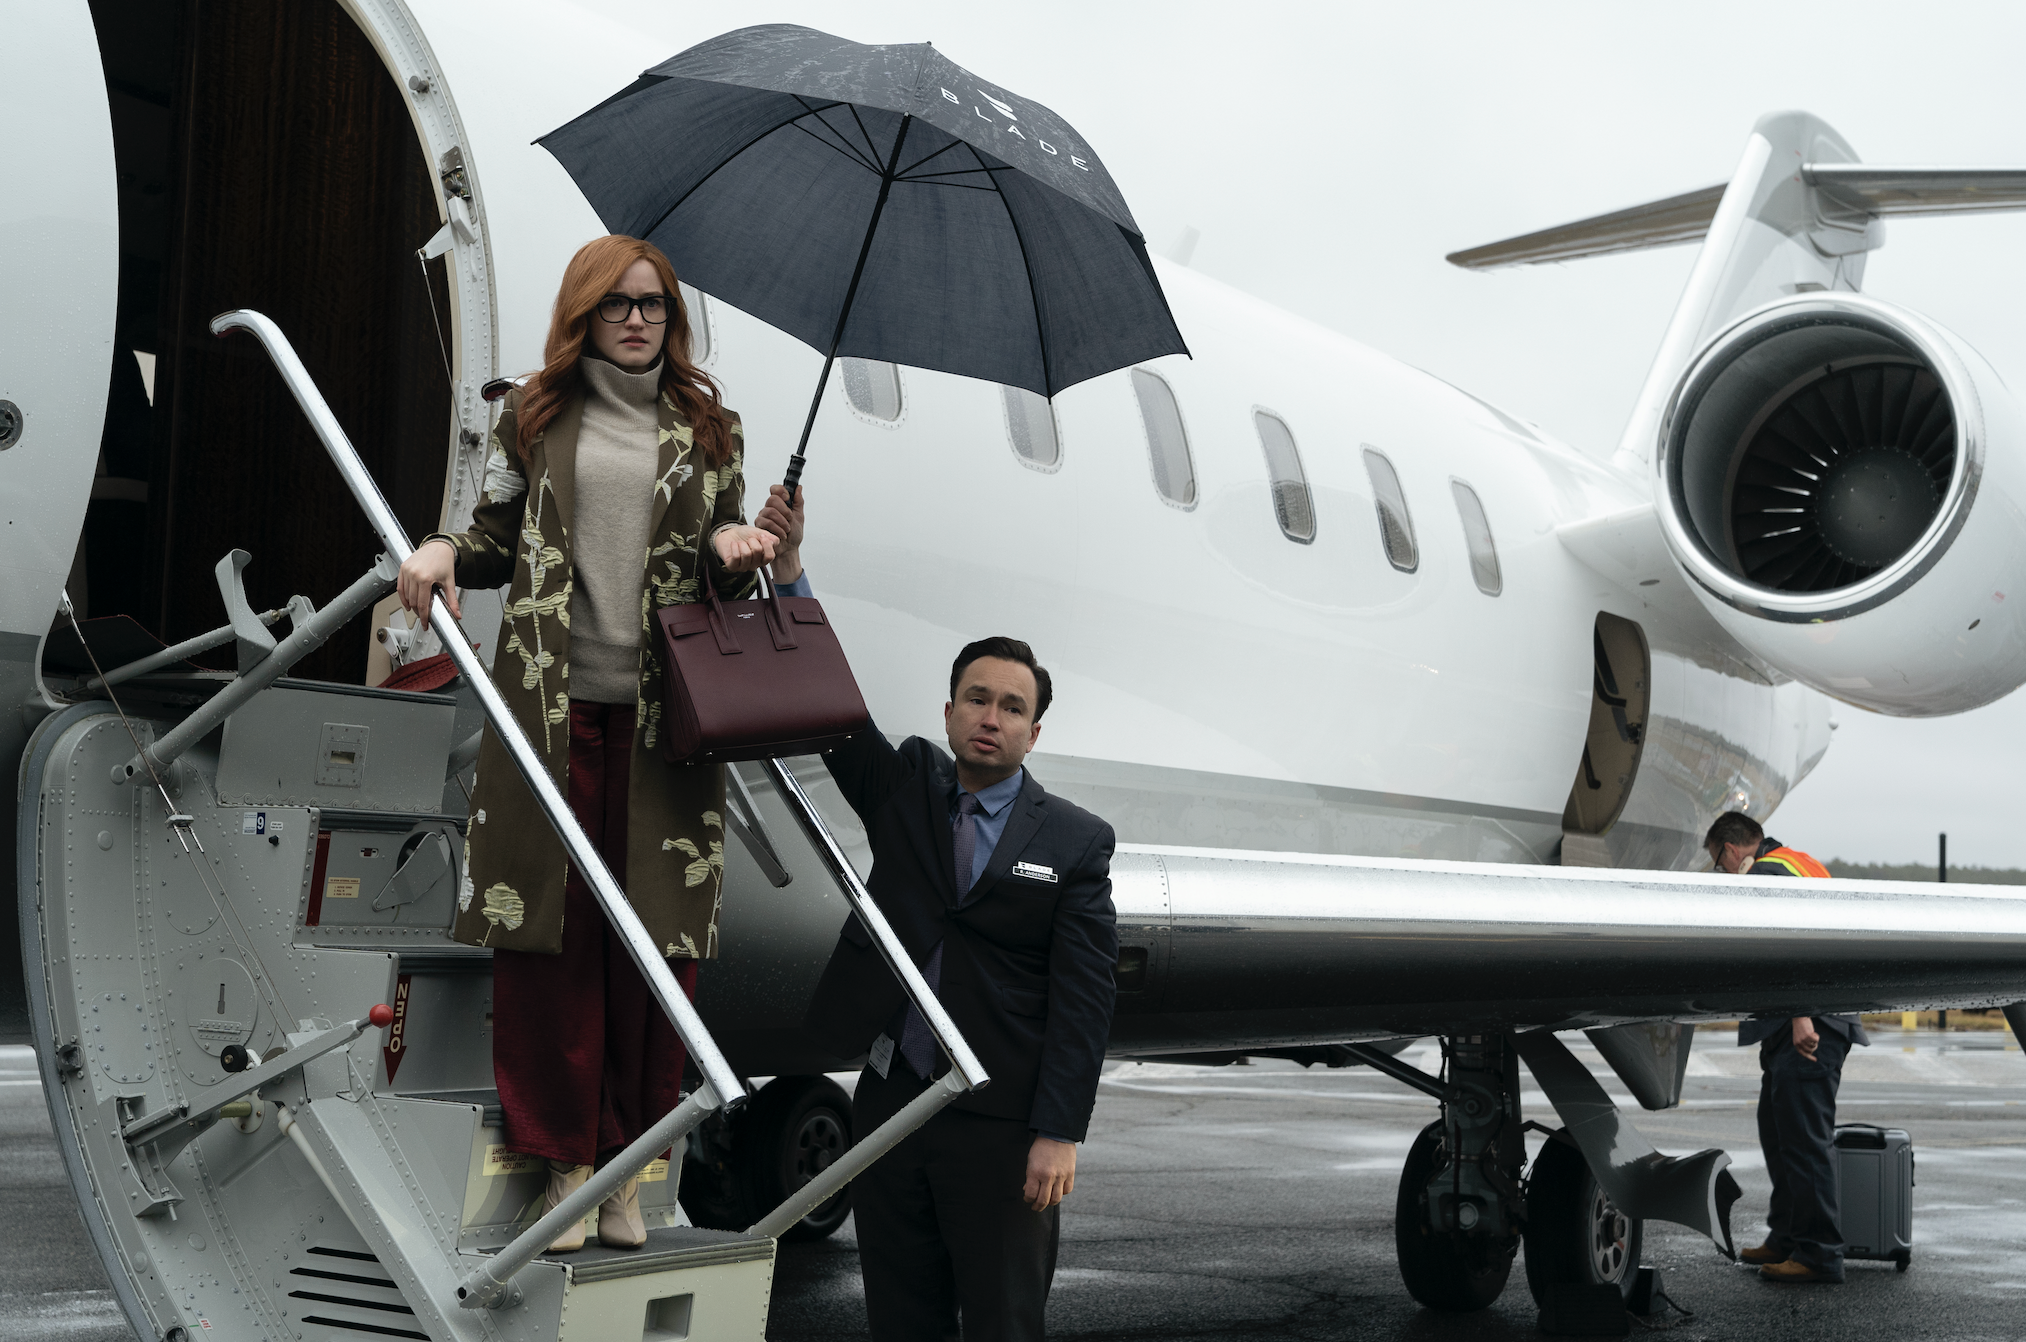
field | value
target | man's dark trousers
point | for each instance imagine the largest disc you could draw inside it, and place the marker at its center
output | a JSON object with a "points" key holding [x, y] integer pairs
{"points": [[1797, 1131], [954, 1236]]}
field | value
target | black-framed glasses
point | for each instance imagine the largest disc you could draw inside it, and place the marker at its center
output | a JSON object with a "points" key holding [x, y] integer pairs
{"points": [[617, 308]]}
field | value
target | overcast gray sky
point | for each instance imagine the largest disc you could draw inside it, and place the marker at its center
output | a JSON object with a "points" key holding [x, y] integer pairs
{"points": [[1332, 154]]}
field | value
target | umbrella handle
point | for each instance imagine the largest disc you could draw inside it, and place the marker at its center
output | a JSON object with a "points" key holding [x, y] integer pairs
{"points": [[799, 461]]}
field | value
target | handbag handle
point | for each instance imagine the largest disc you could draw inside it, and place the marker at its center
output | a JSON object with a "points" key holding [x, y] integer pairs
{"points": [[775, 618], [772, 615]]}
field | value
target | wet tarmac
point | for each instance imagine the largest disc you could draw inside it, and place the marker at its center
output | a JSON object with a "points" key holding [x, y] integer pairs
{"points": [[1256, 1202]]}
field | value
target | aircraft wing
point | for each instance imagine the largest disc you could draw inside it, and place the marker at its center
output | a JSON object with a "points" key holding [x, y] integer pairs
{"points": [[1253, 950], [1229, 950]]}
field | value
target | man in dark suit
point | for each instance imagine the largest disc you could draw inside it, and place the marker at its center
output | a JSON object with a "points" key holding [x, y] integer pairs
{"points": [[1801, 1067], [1002, 894]]}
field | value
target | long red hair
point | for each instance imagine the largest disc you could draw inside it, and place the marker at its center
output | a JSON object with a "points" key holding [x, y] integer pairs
{"points": [[592, 273]]}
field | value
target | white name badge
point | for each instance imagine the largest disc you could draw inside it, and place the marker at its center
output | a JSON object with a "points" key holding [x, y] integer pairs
{"points": [[1034, 871], [881, 1057]]}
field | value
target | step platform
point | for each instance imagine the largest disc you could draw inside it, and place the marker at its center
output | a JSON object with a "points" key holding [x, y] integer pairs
{"points": [[684, 1282]]}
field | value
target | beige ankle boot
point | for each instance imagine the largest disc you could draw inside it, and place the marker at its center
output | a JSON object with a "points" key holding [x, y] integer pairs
{"points": [[565, 1179], [619, 1222]]}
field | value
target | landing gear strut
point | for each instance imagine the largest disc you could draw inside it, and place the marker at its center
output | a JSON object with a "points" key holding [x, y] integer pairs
{"points": [[1460, 1210]]}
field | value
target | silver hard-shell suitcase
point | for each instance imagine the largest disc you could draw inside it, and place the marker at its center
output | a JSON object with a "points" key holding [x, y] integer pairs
{"points": [[1874, 1174]]}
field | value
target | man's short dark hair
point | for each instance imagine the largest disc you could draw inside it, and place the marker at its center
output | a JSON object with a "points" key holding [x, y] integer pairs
{"points": [[1734, 827], [1007, 649]]}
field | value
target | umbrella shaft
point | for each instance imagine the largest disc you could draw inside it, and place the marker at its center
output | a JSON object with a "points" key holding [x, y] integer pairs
{"points": [[844, 314]]}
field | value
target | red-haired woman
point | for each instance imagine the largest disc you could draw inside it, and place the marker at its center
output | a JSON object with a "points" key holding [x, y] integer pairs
{"points": [[614, 487]]}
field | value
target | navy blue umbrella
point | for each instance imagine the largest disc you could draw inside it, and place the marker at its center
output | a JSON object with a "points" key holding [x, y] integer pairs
{"points": [[880, 202]]}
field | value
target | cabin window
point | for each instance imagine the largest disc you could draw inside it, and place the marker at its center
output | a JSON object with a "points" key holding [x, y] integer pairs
{"points": [[1167, 444], [1292, 506], [873, 388], [1031, 428], [1396, 526], [1477, 539], [694, 303]]}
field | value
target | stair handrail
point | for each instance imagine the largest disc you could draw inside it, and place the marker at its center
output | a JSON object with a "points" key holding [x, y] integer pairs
{"points": [[723, 1086], [962, 1060], [966, 1072]]}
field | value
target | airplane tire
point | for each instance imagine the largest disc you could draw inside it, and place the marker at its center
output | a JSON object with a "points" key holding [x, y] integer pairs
{"points": [[1443, 1269], [795, 1127], [1574, 1235]]}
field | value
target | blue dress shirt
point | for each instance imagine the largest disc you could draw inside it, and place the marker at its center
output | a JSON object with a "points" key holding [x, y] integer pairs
{"points": [[991, 822]]}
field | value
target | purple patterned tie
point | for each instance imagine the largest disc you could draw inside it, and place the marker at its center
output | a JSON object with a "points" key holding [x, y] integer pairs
{"points": [[917, 1045]]}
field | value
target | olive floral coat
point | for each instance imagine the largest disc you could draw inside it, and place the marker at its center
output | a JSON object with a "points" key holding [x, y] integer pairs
{"points": [[512, 893]]}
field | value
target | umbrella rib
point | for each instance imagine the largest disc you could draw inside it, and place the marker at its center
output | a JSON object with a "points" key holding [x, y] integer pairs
{"points": [[871, 149], [728, 159], [904, 172], [844, 143], [1040, 327], [838, 146], [956, 172], [960, 186]]}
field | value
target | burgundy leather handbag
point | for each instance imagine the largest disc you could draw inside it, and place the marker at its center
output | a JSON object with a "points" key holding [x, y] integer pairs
{"points": [[751, 680]]}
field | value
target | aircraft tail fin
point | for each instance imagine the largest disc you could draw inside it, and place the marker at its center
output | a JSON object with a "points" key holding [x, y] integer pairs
{"points": [[1800, 214]]}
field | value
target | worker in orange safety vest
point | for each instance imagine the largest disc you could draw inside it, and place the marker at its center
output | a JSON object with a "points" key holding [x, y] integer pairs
{"points": [[1801, 1067]]}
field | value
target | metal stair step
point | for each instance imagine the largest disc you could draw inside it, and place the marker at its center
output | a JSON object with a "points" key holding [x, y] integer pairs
{"points": [[675, 1248]]}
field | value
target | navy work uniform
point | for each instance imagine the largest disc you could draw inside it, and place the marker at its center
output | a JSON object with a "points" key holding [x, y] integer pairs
{"points": [[1797, 1110]]}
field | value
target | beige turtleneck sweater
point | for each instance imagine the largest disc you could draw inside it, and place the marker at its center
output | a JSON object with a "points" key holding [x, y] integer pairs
{"points": [[616, 454]]}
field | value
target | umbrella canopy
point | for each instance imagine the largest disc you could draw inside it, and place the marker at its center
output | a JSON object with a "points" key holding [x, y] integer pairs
{"points": [[877, 201]]}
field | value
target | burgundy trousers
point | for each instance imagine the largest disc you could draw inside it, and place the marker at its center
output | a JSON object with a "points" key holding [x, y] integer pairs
{"points": [[584, 1058]]}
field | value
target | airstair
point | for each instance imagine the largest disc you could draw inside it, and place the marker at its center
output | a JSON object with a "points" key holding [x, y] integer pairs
{"points": [[236, 891]]}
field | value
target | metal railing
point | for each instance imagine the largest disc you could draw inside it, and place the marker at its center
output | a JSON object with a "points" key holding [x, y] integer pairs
{"points": [[966, 1072], [491, 1286]]}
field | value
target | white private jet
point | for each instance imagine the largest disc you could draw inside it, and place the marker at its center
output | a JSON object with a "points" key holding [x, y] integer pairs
{"points": [[1415, 732]]}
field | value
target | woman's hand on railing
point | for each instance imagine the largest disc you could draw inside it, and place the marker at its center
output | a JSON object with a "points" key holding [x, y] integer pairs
{"points": [[432, 566], [742, 548]]}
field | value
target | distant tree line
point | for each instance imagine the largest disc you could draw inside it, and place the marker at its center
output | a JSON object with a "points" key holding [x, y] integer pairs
{"points": [[1924, 871]]}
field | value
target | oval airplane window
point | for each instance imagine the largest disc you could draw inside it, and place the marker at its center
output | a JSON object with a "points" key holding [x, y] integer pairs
{"points": [[1030, 427], [1477, 539], [1396, 526], [1292, 506], [873, 388], [1167, 444], [698, 307]]}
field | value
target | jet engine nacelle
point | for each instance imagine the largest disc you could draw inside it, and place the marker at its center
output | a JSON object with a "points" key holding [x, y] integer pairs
{"points": [[1843, 481]]}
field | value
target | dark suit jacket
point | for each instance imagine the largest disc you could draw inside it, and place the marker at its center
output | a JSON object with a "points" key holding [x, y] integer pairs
{"points": [[1027, 963]]}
